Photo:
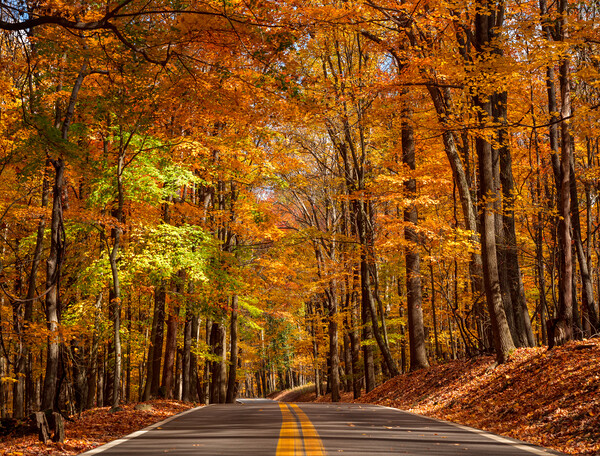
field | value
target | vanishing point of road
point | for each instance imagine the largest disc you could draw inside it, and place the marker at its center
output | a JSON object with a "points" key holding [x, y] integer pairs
{"points": [[264, 427]]}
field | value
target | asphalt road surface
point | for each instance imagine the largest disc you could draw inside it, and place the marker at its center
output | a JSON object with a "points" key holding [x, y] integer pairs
{"points": [[264, 427]]}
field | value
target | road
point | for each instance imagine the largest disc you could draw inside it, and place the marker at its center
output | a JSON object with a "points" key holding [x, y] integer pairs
{"points": [[264, 427]]}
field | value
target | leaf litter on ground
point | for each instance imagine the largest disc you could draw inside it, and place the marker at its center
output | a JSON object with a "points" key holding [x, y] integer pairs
{"points": [[93, 428], [545, 397]]}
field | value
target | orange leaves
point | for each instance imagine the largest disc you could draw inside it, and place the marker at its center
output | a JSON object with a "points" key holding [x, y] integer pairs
{"points": [[550, 398], [93, 428]]}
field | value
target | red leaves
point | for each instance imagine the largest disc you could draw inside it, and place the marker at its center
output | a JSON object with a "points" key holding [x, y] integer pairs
{"points": [[549, 398], [93, 428], [545, 397]]}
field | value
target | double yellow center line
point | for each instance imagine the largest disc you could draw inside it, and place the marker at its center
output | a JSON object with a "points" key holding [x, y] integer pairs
{"points": [[297, 436]]}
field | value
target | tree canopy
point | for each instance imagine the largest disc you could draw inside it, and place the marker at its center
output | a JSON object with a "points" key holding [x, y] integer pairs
{"points": [[205, 199]]}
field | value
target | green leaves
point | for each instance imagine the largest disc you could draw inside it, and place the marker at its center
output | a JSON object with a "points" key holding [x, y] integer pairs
{"points": [[160, 252]]}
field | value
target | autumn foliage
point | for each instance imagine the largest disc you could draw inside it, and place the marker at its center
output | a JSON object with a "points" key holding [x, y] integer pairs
{"points": [[547, 398], [201, 200]]}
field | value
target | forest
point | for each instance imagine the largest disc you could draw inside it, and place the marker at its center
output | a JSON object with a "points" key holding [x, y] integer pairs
{"points": [[206, 199]]}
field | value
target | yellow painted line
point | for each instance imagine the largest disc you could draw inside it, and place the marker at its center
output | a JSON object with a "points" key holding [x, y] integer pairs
{"points": [[289, 443], [313, 446]]}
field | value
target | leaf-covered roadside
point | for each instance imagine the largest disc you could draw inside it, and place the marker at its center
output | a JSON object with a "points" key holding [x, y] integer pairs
{"points": [[93, 428], [545, 397]]}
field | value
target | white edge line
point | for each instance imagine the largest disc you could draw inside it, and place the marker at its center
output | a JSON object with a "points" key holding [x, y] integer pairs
{"points": [[489, 435], [109, 445]]}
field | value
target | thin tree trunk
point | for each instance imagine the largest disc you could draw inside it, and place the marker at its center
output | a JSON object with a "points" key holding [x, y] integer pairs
{"points": [[92, 371], [216, 343], [438, 351], [334, 355], [233, 357], [587, 288], [168, 377], [187, 357], [160, 296], [115, 301]]}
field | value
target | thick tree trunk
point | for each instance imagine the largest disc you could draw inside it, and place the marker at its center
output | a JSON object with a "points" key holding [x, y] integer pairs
{"points": [[168, 377], [564, 323], [416, 329], [523, 333], [367, 335], [53, 274], [438, 349], [441, 103], [485, 21], [205, 386], [355, 347]]}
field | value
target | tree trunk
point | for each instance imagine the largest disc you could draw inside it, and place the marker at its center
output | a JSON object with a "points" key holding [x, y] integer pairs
{"points": [[334, 355], [485, 21], [441, 101], [218, 350], [21, 365], [53, 274], [168, 377], [187, 357], [416, 329], [587, 288], [233, 357], [92, 371], [355, 345], [565, 312], [158, 321], [523, 333], [438, 350], [115, 299], [194, 374]]}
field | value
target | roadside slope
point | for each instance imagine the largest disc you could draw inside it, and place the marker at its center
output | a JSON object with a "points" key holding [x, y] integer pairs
{"points": [[545, 397]]}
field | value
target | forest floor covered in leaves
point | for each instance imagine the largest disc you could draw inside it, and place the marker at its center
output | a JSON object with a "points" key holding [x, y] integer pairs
{"points": [[93, 428], [545, 397]]}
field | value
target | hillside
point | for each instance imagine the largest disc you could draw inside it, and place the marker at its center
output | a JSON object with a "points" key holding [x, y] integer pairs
{"points": [[548, 398]]}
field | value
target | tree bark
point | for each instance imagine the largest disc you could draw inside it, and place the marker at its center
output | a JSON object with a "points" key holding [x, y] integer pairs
{"points": [[187, 358], [334, 355], [233, 356], [218, 350], [522, 332], [115, 298], [168, 377], [485, 20], [154, 361], [587, 288], [416, 329], [565, 314], [53, 275]]}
